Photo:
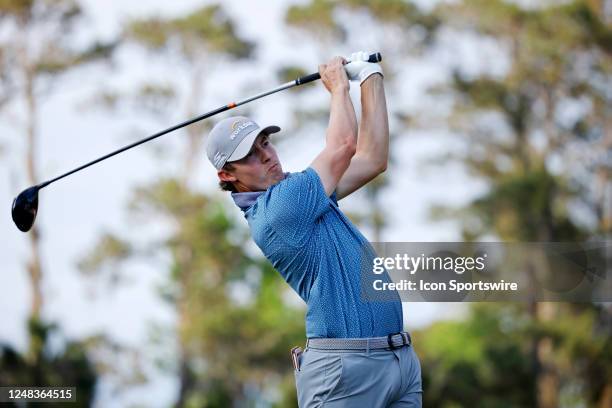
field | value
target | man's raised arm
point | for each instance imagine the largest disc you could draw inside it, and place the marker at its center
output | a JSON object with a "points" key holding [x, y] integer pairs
{"points": [[372, 152], [341, 138]]}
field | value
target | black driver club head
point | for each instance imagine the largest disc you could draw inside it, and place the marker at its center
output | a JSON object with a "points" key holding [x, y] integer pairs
{"points": [[25, 207]]}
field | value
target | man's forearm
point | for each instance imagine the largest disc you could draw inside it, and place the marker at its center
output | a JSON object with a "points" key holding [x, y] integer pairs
{"points": [[373, 141], [342, 119]]}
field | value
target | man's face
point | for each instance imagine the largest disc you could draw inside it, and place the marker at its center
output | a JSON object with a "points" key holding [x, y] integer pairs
{"points": [[258, 170]]}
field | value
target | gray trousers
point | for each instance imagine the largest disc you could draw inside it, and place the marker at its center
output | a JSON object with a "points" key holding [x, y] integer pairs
{"points": [[378, 378]]}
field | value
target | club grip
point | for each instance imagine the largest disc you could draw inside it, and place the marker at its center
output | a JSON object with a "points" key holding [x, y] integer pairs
{"points": [[376, 57], [307, 78]]}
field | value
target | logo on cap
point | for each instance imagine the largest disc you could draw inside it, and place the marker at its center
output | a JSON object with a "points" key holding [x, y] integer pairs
{"points": [[237, 127]]}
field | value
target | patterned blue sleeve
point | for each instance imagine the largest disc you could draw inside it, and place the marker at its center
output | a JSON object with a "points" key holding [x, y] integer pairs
{"points": [[295, 204]]}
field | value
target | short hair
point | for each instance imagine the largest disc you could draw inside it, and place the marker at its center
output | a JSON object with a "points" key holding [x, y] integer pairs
{"points": [[227, 185]]}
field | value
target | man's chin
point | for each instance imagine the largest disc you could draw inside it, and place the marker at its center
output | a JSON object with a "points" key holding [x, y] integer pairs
{"points": [[279, 175]]}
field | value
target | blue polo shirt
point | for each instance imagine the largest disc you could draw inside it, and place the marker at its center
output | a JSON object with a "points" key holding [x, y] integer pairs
{"points": [[319, 252]]}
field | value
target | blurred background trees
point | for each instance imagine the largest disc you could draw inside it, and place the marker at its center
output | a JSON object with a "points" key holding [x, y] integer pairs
{"points": [[36, 54], [539, 135], [536, 133], [234, 328]]}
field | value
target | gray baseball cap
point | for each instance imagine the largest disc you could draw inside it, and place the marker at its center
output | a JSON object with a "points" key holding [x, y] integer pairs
{"points": [[232, 138]]}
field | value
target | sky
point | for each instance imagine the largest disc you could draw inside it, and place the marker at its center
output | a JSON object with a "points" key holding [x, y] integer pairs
{"points": [[75, 211]]}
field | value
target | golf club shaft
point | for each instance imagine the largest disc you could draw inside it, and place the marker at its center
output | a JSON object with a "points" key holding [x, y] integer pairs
{"points": [[158, 134], [376, 57]]}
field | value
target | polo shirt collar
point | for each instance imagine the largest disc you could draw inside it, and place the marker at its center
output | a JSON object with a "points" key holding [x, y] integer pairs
{"points": [[246, 200]]}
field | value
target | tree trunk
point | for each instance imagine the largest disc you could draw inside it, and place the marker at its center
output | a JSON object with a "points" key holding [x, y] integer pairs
{"points": [[603, 189], [606, 397], [184, 257], [34, 264], [186, 379], [194, 132], [547, 377]]}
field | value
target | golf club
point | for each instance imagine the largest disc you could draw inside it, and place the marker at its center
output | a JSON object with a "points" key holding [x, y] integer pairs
{"points": [[25, 205]]}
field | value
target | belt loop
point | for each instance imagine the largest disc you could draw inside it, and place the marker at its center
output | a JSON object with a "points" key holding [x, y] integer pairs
{"points": [[368, 347]]}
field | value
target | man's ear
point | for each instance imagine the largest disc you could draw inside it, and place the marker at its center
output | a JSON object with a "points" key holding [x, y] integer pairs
{"points": [[225, 175]]}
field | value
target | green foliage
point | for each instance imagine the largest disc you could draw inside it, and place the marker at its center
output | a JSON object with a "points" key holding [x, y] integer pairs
{"points": [[15, 8], [110, 252], [150, 97], [386, 10], [550, 67], [519, 207], [485, 360], [55, 54], [42, 367], [213, 25], [290, 73], [557, 53], [28, 11], [543, 53], [202, 227], [316, 16], [207, 30], [250, 343], [153, 32], [155, 97], [399, 12]]}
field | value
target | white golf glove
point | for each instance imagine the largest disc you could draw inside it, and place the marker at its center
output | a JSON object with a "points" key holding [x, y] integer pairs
{"points": [[358, 67]]}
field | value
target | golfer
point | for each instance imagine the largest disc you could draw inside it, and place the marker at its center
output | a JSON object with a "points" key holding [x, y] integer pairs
{"points": [[357, 354]]}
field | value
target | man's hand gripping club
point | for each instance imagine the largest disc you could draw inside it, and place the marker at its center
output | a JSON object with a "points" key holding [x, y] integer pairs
{"points": [[359, 69]]}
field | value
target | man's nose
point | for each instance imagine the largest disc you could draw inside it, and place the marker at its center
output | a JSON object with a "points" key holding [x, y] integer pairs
{"points": [[264, 155]]}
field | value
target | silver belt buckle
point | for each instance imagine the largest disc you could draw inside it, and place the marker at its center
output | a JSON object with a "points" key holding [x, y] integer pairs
{"points": [[390, 341]]}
